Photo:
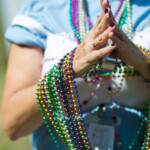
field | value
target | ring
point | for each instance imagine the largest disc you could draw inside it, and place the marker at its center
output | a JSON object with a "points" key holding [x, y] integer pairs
{"points": [[94, 45]]}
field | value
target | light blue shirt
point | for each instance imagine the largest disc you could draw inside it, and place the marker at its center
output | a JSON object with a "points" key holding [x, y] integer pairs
{"points": [[54, 17]]}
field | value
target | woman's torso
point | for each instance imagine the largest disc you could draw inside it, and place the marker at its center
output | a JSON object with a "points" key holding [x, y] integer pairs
{"points": [[54, 18]]}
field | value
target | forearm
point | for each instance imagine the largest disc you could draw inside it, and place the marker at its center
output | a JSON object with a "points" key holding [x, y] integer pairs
{"points": [[140, 60], [145, 66], [128, 52], [21, 114]]}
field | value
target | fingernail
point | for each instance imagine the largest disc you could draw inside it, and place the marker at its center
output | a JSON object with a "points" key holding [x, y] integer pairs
{"points": [[112, 24], [106, 10], [113, 44], [107, 1]]}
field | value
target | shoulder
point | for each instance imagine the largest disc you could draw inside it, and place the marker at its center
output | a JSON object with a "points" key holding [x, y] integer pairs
{"points": [[44, 11], [35, 19]]}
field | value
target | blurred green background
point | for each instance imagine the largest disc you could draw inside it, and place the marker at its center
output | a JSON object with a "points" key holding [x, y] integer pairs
{"points": [[5, 19]]}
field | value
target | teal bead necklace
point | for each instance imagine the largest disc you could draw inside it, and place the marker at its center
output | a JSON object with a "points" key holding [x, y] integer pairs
{"points": [[59, 105], [146, 143]]}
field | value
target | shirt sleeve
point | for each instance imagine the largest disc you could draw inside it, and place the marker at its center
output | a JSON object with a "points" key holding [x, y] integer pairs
{"points": [[22, 36], [26, 28]]}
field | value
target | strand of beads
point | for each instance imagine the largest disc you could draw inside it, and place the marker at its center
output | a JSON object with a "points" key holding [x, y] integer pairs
{"points": [[121, 71], [75, 106], [146, 143], [72, 21], [68, 104], [41, 101], [147, 52], [123, 17], [76, 15], [129, 18], [65, 134], [118, 9], [120, 12], [78, 19], [141, 127], [81, 19], [59, 103], [55, 114], [69, 113], [56, 117], [54, 105], [62, 93], [113, 113]]}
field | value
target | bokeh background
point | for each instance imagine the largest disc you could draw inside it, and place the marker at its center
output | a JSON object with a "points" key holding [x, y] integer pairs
{"points": [[8, 9]]}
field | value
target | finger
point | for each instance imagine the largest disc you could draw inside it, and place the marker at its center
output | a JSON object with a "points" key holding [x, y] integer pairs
{"points": [[99, 18], [121, 52], [115, 39], [101, 1], [105, 4], [103, 38], [110, 35], [120, 43], [105, 9], [106, 20], [122, 36], [108, 4], [103, 24], [97, 54]]}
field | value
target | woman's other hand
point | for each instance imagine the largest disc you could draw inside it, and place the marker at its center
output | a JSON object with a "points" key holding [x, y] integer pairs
{"points": [[126, 50]]}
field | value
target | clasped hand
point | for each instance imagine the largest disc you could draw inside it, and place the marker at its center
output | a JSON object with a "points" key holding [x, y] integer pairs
{"points": [[93, 47]]}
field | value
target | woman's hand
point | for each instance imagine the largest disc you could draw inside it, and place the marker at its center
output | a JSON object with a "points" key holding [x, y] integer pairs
{"points": [[126, 50], [92, 47]]}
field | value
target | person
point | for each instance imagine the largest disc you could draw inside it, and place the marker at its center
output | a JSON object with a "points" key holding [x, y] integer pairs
{"points": [[41, 35]]}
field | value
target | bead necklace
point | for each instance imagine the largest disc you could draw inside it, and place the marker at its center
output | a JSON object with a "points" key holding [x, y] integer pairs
{"points": [[145, 118], [41, 101], [74, 105], [129, 18], [79, 26], [118, 9], [57, 96], [58, 99], [127, 10], [122, 12], [117, 135], [70, 113], [81, 20], [72, 20], [147, 52]]}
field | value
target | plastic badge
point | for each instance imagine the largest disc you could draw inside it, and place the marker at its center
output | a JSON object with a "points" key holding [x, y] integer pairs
{"points": [[101, 136]]}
